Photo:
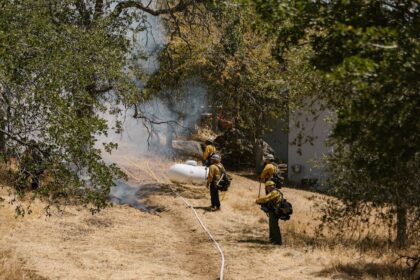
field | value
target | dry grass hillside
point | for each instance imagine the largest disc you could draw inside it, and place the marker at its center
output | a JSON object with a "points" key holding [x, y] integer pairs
{"points": [[124, 243]]}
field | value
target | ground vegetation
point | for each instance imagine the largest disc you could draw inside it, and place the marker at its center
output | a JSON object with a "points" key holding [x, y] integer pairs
{"points": [[369, 51]]}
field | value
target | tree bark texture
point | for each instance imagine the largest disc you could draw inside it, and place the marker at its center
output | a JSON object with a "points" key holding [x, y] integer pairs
{"points": [[401, 240], [258, 147], [2, 135], [169, 136]]}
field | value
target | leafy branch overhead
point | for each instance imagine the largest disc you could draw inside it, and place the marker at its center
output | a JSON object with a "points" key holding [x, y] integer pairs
{"points": [[63, 66]]}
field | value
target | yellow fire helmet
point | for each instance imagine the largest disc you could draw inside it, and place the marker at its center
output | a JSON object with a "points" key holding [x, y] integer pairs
{"points": [[269, 183]]}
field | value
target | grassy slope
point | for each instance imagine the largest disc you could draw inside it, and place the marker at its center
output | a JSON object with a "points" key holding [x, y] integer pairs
{"points": [[123, 243]]}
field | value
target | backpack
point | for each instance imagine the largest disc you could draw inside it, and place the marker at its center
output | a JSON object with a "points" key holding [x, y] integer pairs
{"points": [[207, 161], [278, 180], [277, 177], [224, 181], [284, 210]]}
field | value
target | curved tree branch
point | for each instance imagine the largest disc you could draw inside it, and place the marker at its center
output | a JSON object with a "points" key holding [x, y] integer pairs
{"points": [[23, 142], [181, 6]]}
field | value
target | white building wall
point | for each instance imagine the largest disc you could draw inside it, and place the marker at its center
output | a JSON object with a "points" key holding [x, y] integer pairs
{"points": [[311, 153]]}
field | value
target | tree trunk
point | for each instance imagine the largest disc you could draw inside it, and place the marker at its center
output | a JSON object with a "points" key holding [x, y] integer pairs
{"points": [[99, 9], [215, 121], [2, 135], [401, 240], [169, 136], [258, 143], [258, 147]]}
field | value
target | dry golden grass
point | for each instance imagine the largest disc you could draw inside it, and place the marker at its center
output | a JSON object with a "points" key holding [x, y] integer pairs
{"points": [[12, 164], [10, 267], [123, 243], [202, 134], [371, 257], [364, 270]]}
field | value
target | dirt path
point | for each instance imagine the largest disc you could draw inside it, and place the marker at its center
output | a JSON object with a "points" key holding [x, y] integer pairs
{"points": [[124, 243], [241, 229]]}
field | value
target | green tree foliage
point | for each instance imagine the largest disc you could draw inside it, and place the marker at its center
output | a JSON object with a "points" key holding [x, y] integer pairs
{"points": [[63, 66], [234, 62], [54, 76], [370, 51]]}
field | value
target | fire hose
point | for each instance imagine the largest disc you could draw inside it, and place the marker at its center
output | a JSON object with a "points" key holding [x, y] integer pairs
{"points": [[203, 225]]}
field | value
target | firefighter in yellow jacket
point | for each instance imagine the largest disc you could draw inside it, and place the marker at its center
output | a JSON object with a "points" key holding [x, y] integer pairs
{"points": [[269, 203], [269, 170], [209, 150], [215, 171]]}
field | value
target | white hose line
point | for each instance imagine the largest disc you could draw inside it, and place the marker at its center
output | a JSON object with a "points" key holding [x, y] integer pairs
{"points": [[222, 265], [217, 245]]}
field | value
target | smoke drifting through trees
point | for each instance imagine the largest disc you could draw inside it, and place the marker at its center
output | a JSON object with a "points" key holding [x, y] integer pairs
{"points": [[150, 126], [158, 121]]}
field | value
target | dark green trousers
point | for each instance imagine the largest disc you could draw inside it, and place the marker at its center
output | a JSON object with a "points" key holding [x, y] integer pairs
{"points": [[273, 224], [214, 195]]}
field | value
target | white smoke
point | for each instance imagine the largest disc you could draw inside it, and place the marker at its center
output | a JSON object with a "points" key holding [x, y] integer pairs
{"points": [[158, 121], [161, 121], [175, 115]]}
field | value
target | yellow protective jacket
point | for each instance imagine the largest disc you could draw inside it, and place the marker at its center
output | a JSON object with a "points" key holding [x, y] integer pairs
{"points": [[269, 170], [215, 170], [275, 196], [210, 149]]}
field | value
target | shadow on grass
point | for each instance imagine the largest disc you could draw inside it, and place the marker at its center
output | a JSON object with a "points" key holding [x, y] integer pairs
{"points": [[205, 208], [259, 243], [254, 241], [252, 238], [360, 270], [303, 240]]}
